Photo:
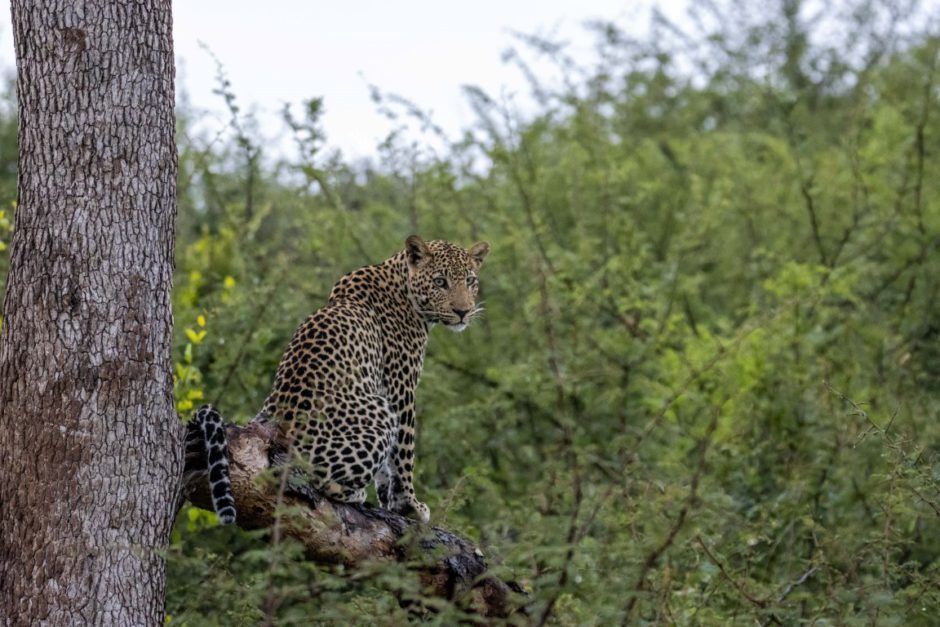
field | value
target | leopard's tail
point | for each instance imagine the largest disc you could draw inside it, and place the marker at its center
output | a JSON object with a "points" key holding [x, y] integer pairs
{"points": [[207, 454]]}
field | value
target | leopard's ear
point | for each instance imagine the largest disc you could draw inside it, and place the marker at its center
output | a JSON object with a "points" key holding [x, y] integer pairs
{"points": [[416, 250], [478, 252]]}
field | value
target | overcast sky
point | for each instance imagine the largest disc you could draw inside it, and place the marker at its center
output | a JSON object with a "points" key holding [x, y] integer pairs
{"points": [[289, 50]]}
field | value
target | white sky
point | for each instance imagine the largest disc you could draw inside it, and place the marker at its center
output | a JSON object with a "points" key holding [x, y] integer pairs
{"points": [[289, 50]]}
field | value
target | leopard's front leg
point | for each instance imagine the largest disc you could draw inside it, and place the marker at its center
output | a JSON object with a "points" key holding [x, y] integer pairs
{"points": [[397, 484]]}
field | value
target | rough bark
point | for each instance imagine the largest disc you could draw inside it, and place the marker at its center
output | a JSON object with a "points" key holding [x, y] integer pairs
{"points": [[449, 566], [91, 445]]}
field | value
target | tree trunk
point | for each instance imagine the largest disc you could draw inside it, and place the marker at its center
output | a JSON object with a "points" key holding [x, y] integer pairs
{"points": [[90, 441]]}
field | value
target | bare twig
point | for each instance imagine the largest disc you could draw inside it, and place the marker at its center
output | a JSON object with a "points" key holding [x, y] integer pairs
{"points": [[813, 219], [806, 183], [756, 601], [934, 506], [799, 582]]}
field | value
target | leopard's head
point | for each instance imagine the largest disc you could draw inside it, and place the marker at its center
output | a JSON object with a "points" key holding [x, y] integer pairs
{"points": [[443, 280]]}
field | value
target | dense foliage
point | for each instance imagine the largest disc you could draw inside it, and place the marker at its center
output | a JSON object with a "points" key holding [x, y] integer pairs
{"points": [[706, 387]]}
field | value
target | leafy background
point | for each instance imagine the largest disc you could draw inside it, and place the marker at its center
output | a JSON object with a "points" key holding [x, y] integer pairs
{"points": [[705, 391]]}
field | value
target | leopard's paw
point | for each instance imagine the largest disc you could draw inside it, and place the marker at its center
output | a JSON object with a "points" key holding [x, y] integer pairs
{"points": [[413, 509], [421, 511]]}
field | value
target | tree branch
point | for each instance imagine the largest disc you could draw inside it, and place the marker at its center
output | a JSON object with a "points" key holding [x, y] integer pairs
{"points": [[642, 584], [340, 533]]}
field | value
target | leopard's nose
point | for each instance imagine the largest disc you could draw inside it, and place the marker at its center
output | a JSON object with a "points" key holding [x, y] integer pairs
{"points": [[461, 313]]}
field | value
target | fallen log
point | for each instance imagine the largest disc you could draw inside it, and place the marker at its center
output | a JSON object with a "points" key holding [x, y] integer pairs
{"points": [[449, 566]]}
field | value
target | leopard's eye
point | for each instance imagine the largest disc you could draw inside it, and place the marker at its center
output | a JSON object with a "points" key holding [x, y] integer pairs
{"points": [[471, 281], [440, 281]]}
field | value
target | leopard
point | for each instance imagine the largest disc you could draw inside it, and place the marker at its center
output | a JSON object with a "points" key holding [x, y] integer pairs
{"points": [[343, 396]]}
